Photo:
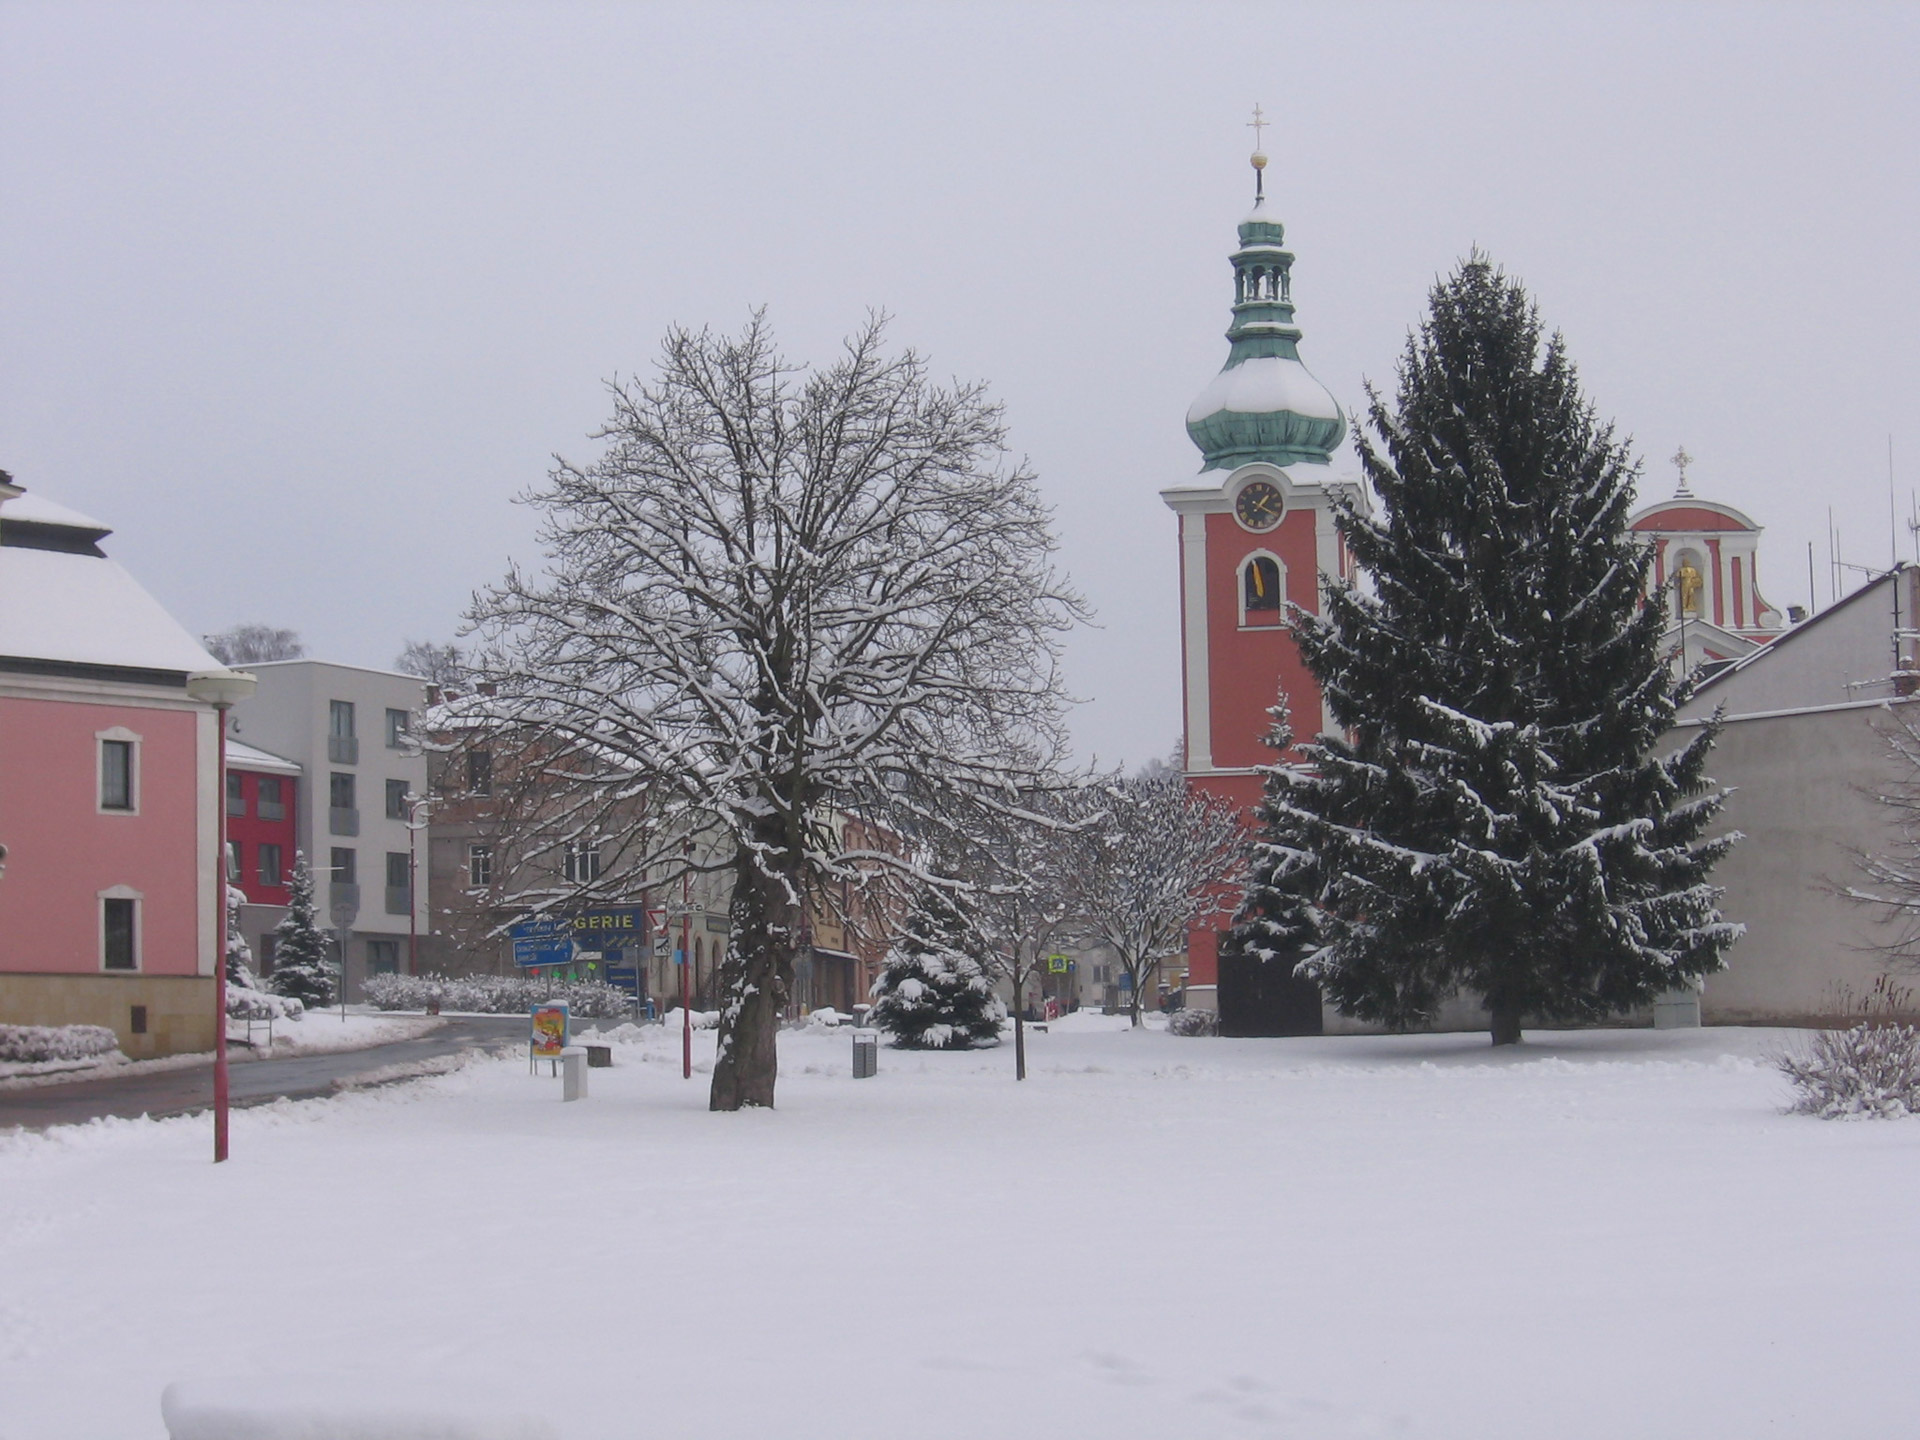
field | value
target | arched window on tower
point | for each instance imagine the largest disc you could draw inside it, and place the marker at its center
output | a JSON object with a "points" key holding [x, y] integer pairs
{"points": [[1262, 588]]}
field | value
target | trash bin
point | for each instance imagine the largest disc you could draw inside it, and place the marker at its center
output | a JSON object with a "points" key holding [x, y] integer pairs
{"points": [[573, 1073], [866, 1054], [599, 1057]]}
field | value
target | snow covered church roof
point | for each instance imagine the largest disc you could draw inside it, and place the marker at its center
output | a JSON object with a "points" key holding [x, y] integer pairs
{"points": [[64, 603], [1264, 404]]}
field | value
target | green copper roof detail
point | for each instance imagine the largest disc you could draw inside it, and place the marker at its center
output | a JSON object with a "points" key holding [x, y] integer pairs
{"points": [[1264, 404]]}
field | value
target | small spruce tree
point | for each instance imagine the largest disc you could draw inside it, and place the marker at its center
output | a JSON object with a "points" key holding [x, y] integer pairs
{"points": [[935, 994], [1494, 819], [301, 967]]}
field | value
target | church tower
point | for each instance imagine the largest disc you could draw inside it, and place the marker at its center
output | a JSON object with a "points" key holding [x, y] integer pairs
{"points": [[1256, 535]]}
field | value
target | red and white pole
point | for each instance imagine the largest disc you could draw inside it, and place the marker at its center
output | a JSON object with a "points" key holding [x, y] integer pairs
{"points": [[220, 952], [686, 967]]}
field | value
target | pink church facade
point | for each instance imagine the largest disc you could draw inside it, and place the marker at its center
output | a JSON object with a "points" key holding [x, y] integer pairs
{"points": [[107, 792]]}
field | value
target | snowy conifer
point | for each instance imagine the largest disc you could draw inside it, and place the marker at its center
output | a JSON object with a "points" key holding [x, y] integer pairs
{"points": [[1495, 820], [301, 966], [935, 994]]}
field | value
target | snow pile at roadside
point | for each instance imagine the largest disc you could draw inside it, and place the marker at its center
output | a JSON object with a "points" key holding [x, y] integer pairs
{"points": [[317, 1409], [36, 1044], [1589, 1236], [320, 1031]]}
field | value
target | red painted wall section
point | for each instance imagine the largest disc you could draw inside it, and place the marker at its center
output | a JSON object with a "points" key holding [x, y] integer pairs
{"points": [[1243, 663], [1719, 589], [62, 851], [251, 832], [1699, 517]]}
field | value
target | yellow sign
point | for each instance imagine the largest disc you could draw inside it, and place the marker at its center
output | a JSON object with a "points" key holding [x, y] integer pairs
{"points": [[549, 1030]]}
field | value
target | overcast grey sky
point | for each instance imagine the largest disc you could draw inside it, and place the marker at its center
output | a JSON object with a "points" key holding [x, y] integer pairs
{"points": [[298, 297]]}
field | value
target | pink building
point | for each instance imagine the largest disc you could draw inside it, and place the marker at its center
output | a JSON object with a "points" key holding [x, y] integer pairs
{"points": [[107, 794]]}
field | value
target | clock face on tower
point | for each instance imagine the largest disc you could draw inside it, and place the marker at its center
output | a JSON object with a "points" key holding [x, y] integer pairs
{"points": [[1259, 506]]}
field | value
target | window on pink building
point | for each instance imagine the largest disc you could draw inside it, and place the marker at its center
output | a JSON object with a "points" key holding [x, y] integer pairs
{"points": [[116, 775], [271, 872], [119, 935], [272, 805]]}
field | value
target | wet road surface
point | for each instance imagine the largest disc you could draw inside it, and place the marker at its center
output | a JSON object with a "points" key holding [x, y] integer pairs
{"points": [[251, 1082]]}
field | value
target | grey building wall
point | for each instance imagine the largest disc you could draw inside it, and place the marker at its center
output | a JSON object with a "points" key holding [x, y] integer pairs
{"points": [[288, 715], [1804, 787], [1843, 654]]}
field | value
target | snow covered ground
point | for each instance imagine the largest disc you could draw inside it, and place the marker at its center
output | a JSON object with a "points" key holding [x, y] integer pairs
{"points": [[1607, 1234]]}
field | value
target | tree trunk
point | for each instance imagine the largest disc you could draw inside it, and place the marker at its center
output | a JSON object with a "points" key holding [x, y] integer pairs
{"points": [[1133, 1007], [754, 984], [1506, 1022], [1019, 1037]]}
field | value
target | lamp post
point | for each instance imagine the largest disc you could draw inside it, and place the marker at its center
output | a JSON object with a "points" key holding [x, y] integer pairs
{"points": [[416, 805], [222, 689]]}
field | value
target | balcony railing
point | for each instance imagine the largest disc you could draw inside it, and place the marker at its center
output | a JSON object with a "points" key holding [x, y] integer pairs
{"points": [[342, 821], [343, 749]]}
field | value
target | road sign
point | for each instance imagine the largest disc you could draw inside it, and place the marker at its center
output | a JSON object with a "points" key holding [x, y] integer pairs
{"points": [[627, 977], [606, 927], [543, 940], [1057, 964]]}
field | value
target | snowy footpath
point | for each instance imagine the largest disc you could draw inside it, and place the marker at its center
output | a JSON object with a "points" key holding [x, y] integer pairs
{"points": [[1611, 1234]]}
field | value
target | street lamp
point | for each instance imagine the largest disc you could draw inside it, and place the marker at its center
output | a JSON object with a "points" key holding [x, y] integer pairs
{"points": [[222, 689], [416, 804]]}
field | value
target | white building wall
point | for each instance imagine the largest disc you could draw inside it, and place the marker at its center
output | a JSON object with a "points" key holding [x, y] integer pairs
{"points": [[289, 715]]}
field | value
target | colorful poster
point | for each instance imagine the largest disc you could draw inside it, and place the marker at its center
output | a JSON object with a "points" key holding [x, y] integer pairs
{"points": [[549, 1030]]}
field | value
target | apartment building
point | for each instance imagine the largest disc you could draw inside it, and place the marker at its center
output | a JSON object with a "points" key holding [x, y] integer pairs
{"points": [[362, 777]]}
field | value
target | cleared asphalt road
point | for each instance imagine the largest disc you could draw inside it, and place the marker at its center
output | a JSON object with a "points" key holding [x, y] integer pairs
{"points": [[251, 1082]]}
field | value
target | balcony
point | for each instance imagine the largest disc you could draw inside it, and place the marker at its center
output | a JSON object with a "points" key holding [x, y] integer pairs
{"points": [[399, 899], [343, 749], [272, 810], [342, 821]]}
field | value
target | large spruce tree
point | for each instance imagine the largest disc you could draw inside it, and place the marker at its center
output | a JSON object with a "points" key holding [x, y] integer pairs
{"points": [[1496, 820]]}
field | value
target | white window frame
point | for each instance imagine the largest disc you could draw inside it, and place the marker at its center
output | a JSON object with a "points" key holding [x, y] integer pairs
{"points": [[121, 892], [1240, 589], [484, 854], [580, 857], [120, 735]]}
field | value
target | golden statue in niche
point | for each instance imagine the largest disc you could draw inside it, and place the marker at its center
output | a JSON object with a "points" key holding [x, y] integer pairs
{"points": [[1687, 578]]}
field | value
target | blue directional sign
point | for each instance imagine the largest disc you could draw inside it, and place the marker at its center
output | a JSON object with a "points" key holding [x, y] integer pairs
{"points": [[627, 977], [543, 940]]}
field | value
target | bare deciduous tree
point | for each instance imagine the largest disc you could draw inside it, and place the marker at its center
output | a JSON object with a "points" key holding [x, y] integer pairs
{"points": [[252, 643], [1163, 858], [438, 664], [780, 596]]}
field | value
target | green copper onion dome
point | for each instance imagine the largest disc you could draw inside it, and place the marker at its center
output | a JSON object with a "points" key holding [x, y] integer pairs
{"points": [[1265, 404]]}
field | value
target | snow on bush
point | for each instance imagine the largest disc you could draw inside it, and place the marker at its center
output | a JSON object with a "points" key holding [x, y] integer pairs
{"points": [[1871, 1072], [1193, 1022], [35, 1044], [247, 999], [496, 994], [701, 1019]]}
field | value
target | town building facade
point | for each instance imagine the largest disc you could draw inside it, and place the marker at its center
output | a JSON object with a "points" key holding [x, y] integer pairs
{"points": [[108, 788], [1256, 533], [349, 731]]}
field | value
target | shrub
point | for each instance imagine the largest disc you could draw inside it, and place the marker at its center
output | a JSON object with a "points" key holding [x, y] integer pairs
{"points": [[497, 994], [1869, 1072], [35, 1044], [1193, 1022]]}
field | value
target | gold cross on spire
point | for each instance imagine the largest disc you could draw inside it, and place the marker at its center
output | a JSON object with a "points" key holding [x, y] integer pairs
{"points": [[1680, 462], [1258, 124]]}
